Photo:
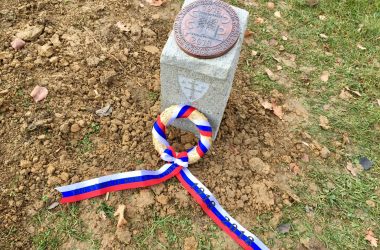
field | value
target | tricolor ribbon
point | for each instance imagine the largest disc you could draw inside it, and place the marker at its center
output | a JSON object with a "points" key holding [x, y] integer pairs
{"points": [[176, 166]]}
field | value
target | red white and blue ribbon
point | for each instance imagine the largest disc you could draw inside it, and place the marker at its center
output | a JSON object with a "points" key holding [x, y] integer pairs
{"points": [[176, 166]]}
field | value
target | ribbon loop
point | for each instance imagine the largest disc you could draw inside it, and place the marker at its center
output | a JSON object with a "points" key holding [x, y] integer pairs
{"points": [[177, 166], [181, 159]]}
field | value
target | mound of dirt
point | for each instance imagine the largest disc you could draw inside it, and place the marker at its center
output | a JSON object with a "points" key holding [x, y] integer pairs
{"points": [[89, 55]]}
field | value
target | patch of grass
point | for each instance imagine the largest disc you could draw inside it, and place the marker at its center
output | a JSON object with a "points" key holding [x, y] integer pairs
{"points": [[57, 227], [153, 96], [174, 229], [341, 214], [86, 145], [107, 209]]}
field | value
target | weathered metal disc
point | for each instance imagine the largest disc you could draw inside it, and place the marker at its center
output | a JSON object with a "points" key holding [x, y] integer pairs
{"points": [[206, 28]]}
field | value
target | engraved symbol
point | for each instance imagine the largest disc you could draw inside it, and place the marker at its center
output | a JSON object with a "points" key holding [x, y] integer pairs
{"points": [[192, 89]]}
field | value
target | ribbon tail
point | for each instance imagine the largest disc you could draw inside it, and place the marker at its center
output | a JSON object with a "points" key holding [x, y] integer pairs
{"points": [[111, 183], [212, 208]]}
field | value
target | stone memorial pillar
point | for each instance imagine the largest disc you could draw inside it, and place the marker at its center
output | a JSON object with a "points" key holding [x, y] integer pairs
{"points": [[203, 83]]}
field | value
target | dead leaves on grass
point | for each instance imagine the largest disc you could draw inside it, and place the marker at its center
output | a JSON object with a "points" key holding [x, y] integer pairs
{"points": [[277, 110], [324, 122], [354, 169], [325, 76], [370, 237]]}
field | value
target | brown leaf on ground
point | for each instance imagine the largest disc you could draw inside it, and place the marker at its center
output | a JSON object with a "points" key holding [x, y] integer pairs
{"points": [[259, 20], [295, 168], [353, 91], [271, 75], [248, 33], [346, 139], [122, 27], [39, 93], [312, 3], [248, 39], [345, 95], [156, 3], [266, 104], [120, 212], [324, 122], [325, 76], [152, 49], [353, 169], [270, 5], [370, 203], [370, 236], [277, 110]]}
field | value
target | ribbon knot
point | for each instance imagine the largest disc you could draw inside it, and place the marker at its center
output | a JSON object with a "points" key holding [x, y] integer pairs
{"points": [[181, 159]]}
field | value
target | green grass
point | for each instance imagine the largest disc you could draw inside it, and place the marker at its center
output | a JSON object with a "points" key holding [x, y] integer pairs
{"points": [[341, 215], [86, 145], [60, 226], [174, 229], [153, 96], [107, 209]]}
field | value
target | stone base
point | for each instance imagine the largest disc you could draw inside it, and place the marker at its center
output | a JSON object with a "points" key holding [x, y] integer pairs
{"points": [[203, 83]]}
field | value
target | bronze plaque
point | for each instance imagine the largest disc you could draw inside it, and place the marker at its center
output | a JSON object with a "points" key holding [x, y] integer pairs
{"points": [[206, 28]]}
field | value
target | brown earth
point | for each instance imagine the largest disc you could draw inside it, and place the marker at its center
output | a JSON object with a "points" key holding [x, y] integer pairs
{"points": [[86, 61]]}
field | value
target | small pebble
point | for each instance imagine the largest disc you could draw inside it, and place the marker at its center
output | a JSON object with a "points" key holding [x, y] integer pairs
{"points": [[18, 44], [75, 128]]}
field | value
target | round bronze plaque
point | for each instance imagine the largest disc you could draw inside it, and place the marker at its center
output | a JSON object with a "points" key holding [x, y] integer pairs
{"points": [[206, 28]]}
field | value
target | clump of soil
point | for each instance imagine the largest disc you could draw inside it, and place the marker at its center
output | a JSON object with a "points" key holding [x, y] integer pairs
{"points": [[89, 55]]}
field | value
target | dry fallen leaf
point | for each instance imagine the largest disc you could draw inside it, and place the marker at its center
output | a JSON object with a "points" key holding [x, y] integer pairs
{"points": [[156, 3], [295, 168], [271, 75], [324, 122], [277, 110], [248, 39], [370, 236], [152, 49], [104, 111], [346, 139], [370, 203], [39, 93], [361, 47], [270, 5], [353, 169], [345, 95], [325, 76], [248, 33], [259, 20], [122, 27], [353, 91], [120, 212], [266, 104]]}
